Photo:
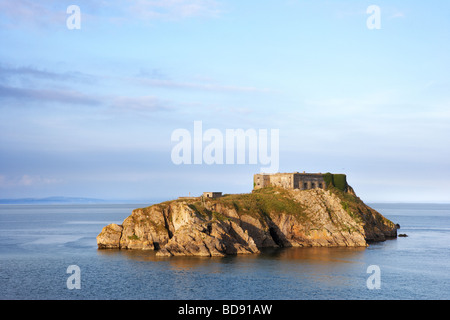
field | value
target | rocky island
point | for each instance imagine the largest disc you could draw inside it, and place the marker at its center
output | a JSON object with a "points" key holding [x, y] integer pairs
{"points": [[283, 210]]}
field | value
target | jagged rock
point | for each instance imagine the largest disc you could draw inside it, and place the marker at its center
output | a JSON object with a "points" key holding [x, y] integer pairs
{"points": [[110, 236], [216, 238], [242, 224]]}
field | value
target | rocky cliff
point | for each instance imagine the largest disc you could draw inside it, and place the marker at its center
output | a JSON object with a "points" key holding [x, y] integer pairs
{"points": [[244, 223]]}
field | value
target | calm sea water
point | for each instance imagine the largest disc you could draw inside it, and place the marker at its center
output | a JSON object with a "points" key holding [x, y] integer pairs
{"points": [[39, 242]]}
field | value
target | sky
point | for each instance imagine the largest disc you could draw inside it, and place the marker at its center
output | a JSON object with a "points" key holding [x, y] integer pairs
{"points": [[91, 111]]}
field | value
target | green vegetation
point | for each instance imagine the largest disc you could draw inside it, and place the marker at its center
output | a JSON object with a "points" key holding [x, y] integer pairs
{"points": [[269, 203], [200, 209], [263, 202], [219, 216], [338, 181], [133, 237], [350, 203], [344, 205], [348, 208], [356, 208]]}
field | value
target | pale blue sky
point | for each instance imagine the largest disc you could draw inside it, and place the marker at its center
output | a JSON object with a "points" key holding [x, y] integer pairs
{"points": [[90, 112]]}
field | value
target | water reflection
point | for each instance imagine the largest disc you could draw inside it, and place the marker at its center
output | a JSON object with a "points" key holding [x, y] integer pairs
{"points": [[314, 255], [293, 270]]}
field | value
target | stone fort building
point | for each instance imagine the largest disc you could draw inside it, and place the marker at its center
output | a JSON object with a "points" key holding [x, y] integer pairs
{"points": [[212, 195], [295, 180]]}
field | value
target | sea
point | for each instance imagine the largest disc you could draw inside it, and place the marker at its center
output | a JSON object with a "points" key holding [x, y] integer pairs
{"points": [[49, 252]]}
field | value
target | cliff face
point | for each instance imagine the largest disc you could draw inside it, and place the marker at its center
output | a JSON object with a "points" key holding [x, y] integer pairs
{"points": [[244, 223]]}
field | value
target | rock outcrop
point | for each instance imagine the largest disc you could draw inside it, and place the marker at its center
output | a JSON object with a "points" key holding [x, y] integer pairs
{"points": [[244, 223]]}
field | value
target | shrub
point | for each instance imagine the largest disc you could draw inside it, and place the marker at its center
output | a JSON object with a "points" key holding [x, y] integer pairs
{"points": [[133, 237]]}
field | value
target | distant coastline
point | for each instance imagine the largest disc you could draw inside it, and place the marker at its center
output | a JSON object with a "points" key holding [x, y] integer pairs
{"points": [[71, 200]]}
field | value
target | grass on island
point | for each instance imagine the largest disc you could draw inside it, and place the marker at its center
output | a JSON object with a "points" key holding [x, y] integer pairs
{"points": [[259, 204], [265, 202]]}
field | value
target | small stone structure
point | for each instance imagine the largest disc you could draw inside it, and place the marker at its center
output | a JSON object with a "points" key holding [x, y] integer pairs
{"points": [[295, 180], [212, 194]]}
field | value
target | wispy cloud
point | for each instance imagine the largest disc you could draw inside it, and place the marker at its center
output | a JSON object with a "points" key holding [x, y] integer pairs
{"points": [[196, 85], [156, 77], [23, 85], [35, 97], [37, 13], [143, 103], [173, 9], [21, 95], [154, 73], [30, 86], [20, 73], [26, 180], [44, 13]]}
